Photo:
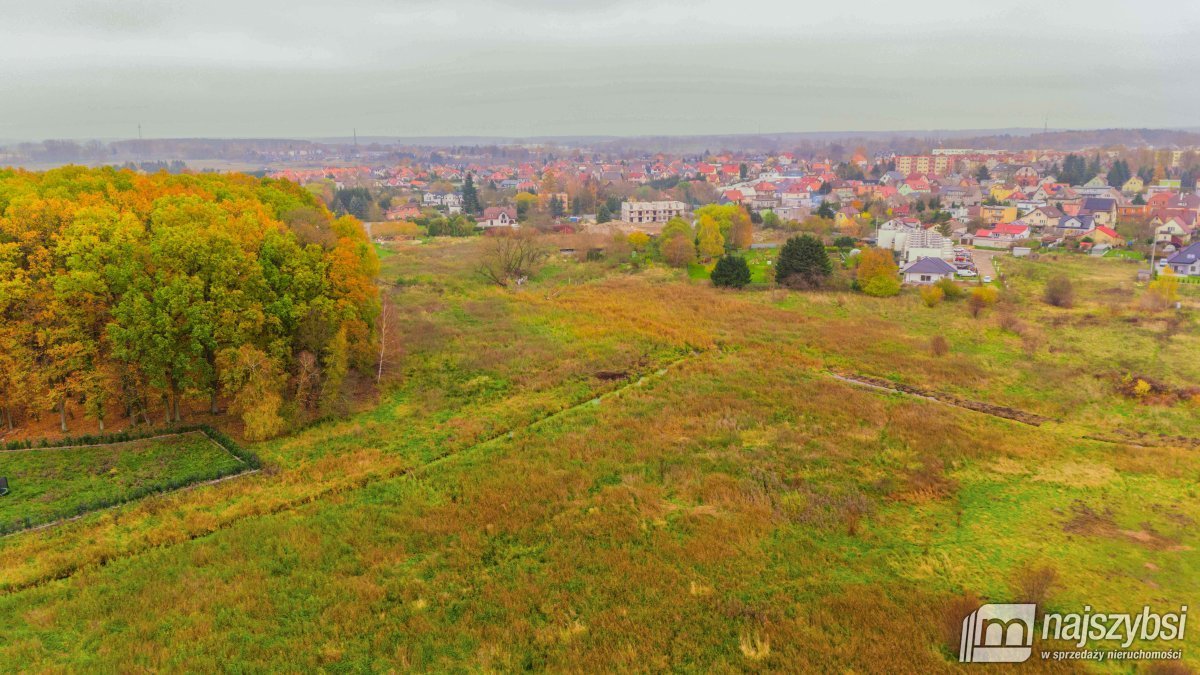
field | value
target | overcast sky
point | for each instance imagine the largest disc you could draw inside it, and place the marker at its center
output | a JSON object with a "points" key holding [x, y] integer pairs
{"points": [[96, 68]]}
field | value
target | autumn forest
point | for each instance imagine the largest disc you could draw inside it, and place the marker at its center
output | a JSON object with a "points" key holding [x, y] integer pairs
{"points": [[128, 297]]}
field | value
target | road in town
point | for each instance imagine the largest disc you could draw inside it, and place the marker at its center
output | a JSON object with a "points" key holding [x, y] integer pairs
{"points": [[983, 262]]}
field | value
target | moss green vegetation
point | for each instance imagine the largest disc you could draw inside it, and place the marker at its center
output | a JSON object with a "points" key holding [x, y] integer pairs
{"points": [[48, 484], [602, 471]]}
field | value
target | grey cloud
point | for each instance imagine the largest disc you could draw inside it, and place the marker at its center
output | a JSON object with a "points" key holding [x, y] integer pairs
{"points": [[537, 67]]}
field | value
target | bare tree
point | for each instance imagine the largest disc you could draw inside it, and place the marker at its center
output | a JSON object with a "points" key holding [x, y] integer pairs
{"points": [[512, 256]]}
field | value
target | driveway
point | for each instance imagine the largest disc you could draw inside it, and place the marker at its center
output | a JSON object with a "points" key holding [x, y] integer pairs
{"points": [[983, 262]]}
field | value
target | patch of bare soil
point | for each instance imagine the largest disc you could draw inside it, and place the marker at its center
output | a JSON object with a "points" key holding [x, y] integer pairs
{"points": [[1148, 390], [1087, 521], [1146, 440]]}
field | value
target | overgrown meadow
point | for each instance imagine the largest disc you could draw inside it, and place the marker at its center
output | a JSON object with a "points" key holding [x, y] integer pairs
{"points": [[615, 470]]}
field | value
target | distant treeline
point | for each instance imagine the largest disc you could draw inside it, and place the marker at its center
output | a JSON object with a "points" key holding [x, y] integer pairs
{"points": [[837, 145], [123, 294]]}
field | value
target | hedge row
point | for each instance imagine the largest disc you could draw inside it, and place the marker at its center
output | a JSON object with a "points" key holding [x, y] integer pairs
{"points": [[137, 435], [251, 461]]}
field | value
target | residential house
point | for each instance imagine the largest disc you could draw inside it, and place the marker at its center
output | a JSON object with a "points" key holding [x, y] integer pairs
{"points": [[1001, 192], [845, 216], [796, 196], [1027, 205], [1026, 175], [1126, 212], [1002, 234], [1133, 186], [928, 271], [1186, 261], [1104, 211], [733, 196], [1105, 192], [1104, 235], [403, 212], [1173, 230], [991, 215], [1074, 226], [498, 216], [1042, 217]]}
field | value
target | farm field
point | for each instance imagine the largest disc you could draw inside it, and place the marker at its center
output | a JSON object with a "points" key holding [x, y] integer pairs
{"points": [[52, 483], [607, 470]]}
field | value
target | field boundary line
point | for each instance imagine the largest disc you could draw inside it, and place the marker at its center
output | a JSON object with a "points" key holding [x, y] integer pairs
{"points": [[191, 486], [992, 410], [355, 483]]}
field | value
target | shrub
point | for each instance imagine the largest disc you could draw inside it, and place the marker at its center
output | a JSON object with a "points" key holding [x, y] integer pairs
{"points": [[877, 273], [954, 610], [731, 271], [1033, 584], [932, 295], [980, 299], [1059, 291], [950, 289], [803, 263], [1030, 342], [1009, 322], [1142, 388], [679, 251], [1163, 291], [939, 346]]}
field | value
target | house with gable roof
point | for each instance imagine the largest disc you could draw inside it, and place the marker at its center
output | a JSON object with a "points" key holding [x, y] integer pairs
{"points": [[928, 271], [1186, 261]]}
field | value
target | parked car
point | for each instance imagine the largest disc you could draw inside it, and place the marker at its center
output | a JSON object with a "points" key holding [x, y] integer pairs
{"points": [[987, 279], [966, 273]]}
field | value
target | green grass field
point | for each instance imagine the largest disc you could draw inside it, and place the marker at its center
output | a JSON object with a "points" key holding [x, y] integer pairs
{"points": [[606, 470], [48, 484], [760, 262], [1124, 253]]}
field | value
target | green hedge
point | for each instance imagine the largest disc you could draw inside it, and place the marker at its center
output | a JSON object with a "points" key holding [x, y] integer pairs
{"points": [[220, 438], [251, 461]]}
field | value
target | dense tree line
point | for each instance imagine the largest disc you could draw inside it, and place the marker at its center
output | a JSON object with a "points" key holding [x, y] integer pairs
{"points": [[123, 295]]}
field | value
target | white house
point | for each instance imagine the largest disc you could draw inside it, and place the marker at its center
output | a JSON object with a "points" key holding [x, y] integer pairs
{"points": [[498, 216], [928, 271]]}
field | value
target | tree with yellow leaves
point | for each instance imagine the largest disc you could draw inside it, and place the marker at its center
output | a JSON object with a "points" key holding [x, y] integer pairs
{"points": [[709, 242], [639, 241], [878, 274], [1164, 290]]}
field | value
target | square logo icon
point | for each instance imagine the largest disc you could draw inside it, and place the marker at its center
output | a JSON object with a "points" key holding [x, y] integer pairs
{"points": [[998, 634]]}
